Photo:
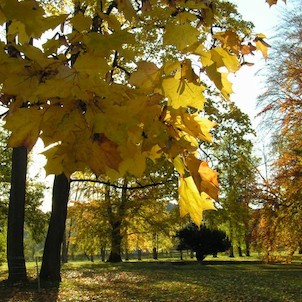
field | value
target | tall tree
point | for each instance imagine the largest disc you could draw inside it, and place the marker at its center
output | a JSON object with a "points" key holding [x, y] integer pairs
{"points": [[232, 153], [51, 262], [126, 205], [16, 209], [34, 218], [281, 110]]}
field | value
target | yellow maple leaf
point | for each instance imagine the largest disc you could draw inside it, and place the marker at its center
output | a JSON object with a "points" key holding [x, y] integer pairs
{"points": [[187, 72], [63, 158], [81, 22], [220, 80], [222, 58], [229, 40], [179, 165], [197, 126], [204, 177], [18, 28], [262, 45], [181, 93], [191, 201], [103, 154], [24, 123], [91, 64], [61, 123], [273, 2], [127, 8], [146, 76], [181, 35], [209, 181], [134, 161]]}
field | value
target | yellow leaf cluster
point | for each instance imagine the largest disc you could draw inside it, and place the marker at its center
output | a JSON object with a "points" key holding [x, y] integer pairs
{"points": [[198, 186], [98, 101], [193, 202]]}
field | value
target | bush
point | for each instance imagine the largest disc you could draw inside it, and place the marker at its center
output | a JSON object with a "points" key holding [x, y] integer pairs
{"points": [[202, 241]]}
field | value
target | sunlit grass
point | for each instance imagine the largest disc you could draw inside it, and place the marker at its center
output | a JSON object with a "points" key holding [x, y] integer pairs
{"points": [[167, 281]]}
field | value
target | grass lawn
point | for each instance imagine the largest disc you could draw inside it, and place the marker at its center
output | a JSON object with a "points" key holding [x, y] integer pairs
{"points": [[166, 281]]}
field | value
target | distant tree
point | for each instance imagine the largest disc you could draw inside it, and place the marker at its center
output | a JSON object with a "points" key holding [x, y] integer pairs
{"points": [[279, 227], [128, 206], [232, 156], [203, 241]]}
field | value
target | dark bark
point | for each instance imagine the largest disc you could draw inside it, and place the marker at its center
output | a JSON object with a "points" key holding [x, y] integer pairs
{"points": [[231, 252], [155, 244], [116, 219], [247, 242], [64, 249], [51, 262], [200, 256], [139, 254], [239, 250], [16, 210], [116, 241], [154, 253]]}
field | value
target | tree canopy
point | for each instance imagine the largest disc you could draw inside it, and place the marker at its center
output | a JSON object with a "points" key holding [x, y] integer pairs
{"points": [[97, 84]]}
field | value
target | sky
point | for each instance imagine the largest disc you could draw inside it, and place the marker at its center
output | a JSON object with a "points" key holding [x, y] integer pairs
{"points": [[246, 84]]}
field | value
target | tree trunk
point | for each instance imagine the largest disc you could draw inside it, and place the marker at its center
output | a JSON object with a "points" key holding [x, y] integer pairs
{"points": [[231, 252], [116, 219], [64, 249], [103, 253], [239, 250], [139, 254], [247, 248], [247, 241], [154, 253], [16, 210], [116, 241], [51, 264], [200, 256], [155, 244]]}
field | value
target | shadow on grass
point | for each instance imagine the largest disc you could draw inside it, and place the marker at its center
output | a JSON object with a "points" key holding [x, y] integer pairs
{"points": [[28, 291], [166, 281]]}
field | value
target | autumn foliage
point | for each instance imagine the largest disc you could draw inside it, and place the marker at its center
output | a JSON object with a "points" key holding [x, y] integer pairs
{"points": [[95, 83], [279, 231]]}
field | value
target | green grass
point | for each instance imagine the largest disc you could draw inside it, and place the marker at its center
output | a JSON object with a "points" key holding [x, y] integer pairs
{"points": [[167, 281]]}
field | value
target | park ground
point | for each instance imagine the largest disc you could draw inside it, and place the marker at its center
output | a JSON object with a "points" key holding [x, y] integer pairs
{"points": [[219, 280]]}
